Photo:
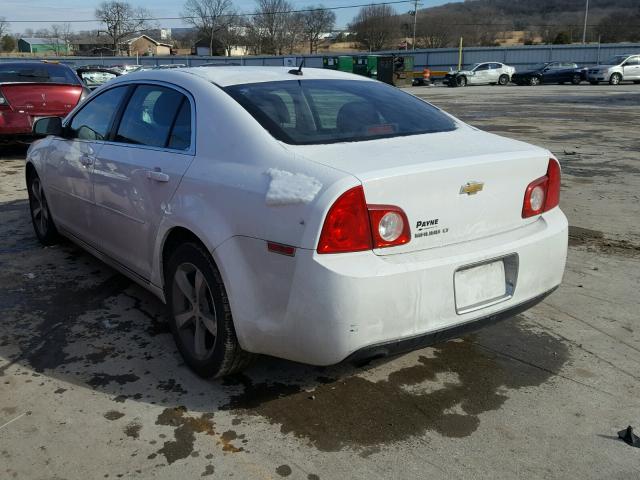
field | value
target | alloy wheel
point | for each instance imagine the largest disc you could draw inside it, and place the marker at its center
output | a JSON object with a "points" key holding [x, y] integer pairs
{"points": [[39, 208], [194, 311]]}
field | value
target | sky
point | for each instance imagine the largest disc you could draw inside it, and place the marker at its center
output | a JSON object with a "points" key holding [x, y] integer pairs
{"points": [[60, 11]]}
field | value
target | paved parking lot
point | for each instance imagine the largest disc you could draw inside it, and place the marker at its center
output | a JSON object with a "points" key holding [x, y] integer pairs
{"points": [[91, 385]]}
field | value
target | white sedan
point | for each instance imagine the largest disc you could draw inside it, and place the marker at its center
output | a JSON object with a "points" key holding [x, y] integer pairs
{"points": [[487, 73], [311, 215]]}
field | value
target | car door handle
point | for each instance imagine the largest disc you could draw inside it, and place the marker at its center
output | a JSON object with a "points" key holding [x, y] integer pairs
{"points": [[157, 175], [87, 160]]}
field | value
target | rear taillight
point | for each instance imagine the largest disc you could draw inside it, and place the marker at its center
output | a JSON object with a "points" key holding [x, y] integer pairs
{"points": [[543, 194], [4, 104], [353, 226], [346, 228]]}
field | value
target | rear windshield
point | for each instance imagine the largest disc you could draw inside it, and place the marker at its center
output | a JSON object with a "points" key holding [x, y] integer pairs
{"points": [[304, 112], [38, 73]]}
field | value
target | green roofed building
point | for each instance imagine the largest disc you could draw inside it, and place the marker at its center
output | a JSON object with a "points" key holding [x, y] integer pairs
{"points": [[43, 46]]}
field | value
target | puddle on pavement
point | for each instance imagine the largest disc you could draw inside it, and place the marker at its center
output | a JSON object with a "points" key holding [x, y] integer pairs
{"points": [[356, 412], [184, 433]]}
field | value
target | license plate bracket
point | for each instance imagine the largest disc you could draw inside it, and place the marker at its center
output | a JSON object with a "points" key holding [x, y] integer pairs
{"points": [[483, 284]]}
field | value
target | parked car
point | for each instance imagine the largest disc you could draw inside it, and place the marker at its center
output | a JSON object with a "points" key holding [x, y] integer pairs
{"points": [[313, 215], [94, 77], [30, 90], [480, 74], [551, 72], [616, 70]]}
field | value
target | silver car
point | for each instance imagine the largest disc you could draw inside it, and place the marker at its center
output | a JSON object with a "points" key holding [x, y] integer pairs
{"points": [[488, 73], [615, 70]]}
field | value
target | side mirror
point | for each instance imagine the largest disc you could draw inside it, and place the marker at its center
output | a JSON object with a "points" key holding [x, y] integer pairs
{"points": [[48, 126]]}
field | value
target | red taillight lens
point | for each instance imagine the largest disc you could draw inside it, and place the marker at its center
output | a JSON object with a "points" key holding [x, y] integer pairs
{"points": [[389, 226], [352, 225], [543, 194], [553, 192], [346, 228]]}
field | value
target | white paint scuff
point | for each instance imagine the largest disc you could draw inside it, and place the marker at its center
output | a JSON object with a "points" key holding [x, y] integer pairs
{"points": [[288, 188]]}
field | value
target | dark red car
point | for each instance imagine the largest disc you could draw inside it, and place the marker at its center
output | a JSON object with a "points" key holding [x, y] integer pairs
{"points": [[30, 90]]}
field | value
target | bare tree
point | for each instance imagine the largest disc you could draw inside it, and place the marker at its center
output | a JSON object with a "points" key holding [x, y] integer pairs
{"points": [[271, 21], [375, 26], [432, 30], [232, 34], [209, 17], [294, 32], [317, 22], [4, 26], [53, 35], [122, 20]]}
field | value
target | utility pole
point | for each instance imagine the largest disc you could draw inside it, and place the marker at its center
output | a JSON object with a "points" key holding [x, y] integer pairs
{"points": [[584, 31], [415, 21]]}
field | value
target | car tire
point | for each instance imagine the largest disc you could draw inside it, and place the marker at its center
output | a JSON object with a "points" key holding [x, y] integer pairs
{"points": [[576, 79], [615, 79], [461, 81], [534, 81], [503, 80], [199, 314], [41, 218]]}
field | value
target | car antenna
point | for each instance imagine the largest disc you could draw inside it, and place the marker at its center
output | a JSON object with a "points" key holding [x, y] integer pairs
{"points": [[297, 71]]}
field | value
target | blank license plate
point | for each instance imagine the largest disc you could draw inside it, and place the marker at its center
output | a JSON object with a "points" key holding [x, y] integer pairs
{"points": [[478, 285]]}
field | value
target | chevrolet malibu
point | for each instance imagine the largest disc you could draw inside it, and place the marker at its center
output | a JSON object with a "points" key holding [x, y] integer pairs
{"points": [[308, 214]]}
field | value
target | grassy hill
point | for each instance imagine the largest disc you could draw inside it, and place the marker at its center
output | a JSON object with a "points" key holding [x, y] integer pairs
{"points": [[484, 22]]}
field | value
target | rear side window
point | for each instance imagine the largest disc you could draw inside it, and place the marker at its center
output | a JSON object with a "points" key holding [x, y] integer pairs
{"points": [[329, 111], [95, 118], [150, 116], [180, 138], [37, 73]]}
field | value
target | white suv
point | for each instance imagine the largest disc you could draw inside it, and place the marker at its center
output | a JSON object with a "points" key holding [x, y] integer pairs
{"points": [[615, 70]]}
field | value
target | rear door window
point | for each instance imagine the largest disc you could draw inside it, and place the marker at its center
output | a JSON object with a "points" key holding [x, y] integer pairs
{"points": [[149, 116], [95, 118]]}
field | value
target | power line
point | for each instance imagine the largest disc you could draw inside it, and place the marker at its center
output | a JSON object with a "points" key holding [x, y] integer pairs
{"points": [[253, 14]]}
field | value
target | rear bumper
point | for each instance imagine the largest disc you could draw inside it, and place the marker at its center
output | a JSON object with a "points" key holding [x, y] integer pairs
{"points": [[408, 344], [597, 77], [321, 309]]}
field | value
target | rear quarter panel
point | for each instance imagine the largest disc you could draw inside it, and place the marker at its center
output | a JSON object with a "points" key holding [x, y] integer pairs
{"points": [[223, 193]]}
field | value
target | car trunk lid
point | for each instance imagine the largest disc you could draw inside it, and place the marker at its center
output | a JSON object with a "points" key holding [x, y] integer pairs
{"points": [[41, 99], [453, 186]]}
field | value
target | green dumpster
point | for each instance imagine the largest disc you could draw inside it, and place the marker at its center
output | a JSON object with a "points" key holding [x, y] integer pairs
{"points": [[361, 65], [380, 67], [330, 62], [345, 63]]}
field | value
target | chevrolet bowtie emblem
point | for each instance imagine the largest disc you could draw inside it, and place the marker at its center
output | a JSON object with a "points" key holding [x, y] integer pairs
{"points": [[471, 188]]}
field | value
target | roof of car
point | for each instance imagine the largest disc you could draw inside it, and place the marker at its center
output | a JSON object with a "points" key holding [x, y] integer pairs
{"points": [[237, 75]]}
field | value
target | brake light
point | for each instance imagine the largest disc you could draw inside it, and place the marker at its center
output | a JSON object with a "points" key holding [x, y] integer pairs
{"points": [[543, 194], [353, 226], [346, 228]]}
